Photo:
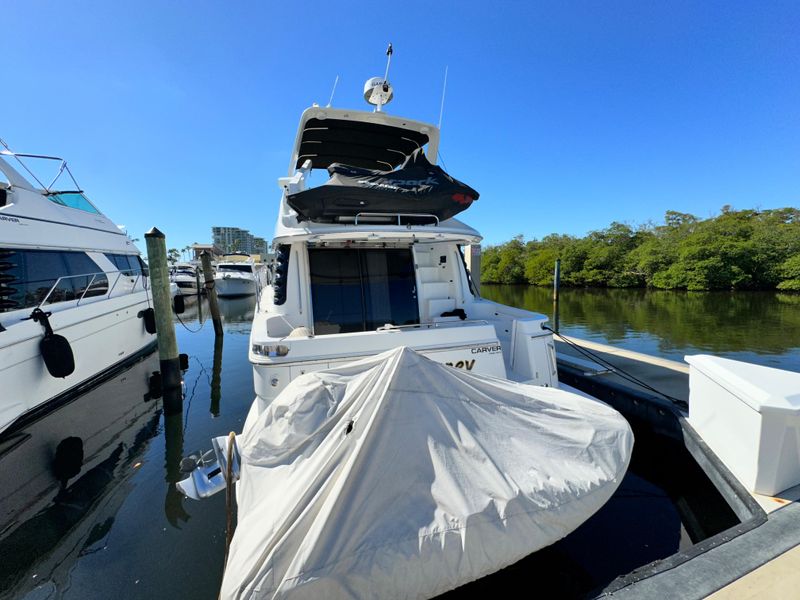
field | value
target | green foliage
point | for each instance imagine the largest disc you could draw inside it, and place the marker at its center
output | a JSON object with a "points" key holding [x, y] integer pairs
{"points": [[745, 249]]}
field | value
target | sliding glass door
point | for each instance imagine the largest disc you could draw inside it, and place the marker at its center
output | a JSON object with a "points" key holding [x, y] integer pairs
{"points": [[362, 289]]}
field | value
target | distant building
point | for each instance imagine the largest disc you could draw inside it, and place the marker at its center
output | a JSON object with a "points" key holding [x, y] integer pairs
{"points": [[260, 246], [234, 239]]}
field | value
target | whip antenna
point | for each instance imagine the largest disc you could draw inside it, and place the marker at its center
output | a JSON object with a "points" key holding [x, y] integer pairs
{"points": [[389, 53], [444, 90], [377, 91], [333, 91]]}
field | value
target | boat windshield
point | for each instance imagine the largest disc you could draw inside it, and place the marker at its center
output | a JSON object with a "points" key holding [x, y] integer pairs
{"points": [[240, 268], [73, 200]]}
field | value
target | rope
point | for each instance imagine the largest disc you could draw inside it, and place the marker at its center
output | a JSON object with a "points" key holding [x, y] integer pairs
{"points": [[618, 370], [184, 324]]}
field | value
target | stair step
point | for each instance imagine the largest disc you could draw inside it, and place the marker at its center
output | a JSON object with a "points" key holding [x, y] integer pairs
{"points": [[436, 289]]}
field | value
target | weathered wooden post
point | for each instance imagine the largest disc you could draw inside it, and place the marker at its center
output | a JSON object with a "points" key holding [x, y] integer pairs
{"points": [[556, 284], [162, 303], [216, 376], [208, 274]]}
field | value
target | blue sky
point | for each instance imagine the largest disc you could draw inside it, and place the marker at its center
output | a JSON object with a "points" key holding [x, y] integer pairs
{"points": [[565, 116]]}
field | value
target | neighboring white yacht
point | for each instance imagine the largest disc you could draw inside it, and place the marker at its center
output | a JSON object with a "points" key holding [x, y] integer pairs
{"points": [[73, 292], [237, 275], [184, 275]]}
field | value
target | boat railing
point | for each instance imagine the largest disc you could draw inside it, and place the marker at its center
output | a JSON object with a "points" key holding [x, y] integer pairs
{"points": [[398, 216], [433, 325], [97, 280]]}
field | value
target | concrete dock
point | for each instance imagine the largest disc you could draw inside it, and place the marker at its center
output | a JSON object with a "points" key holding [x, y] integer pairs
{"points": [[778, 576]]}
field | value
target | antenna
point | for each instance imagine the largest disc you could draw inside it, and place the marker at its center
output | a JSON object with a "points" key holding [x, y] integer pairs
{"points": [[389, 53], [444, 90], [333, 91], [377, 91]]}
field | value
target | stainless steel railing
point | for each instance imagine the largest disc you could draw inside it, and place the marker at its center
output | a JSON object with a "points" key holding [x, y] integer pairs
{"points": [[99, 277]]}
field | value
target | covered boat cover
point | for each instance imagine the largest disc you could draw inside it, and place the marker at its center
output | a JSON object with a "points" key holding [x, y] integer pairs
{"points": [[418, 187], [399, 477]]}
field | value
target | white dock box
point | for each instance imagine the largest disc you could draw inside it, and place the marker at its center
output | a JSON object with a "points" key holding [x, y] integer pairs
{"points": [[749, 416]]}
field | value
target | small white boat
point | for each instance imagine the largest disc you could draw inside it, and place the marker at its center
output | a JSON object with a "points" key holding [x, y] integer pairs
{"points": [[237, 275], [184, 275]]}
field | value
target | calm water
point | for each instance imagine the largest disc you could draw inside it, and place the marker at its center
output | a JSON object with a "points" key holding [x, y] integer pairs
{"points": [[758, 327], [118, 528]]}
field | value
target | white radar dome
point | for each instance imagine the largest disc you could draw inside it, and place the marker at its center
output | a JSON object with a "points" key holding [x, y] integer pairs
{"points": [[378, 91]]}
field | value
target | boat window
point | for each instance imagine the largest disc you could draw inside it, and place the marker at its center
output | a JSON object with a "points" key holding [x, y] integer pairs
{"points": [[73, 200], [361, 290], [127, 264], [240, 268], [26, 277]]}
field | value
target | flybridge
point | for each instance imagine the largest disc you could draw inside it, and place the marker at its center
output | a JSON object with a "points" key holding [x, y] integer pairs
{"points": [[358, 138]]}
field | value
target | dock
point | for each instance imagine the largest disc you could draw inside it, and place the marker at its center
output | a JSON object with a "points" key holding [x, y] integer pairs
{"points": [[762, 561]]}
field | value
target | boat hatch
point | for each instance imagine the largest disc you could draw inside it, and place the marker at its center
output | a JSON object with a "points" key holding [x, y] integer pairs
{"points": [[356, 143]]}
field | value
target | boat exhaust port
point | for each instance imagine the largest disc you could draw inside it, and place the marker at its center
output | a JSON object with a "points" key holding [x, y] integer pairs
{"points": [[207, 471]]}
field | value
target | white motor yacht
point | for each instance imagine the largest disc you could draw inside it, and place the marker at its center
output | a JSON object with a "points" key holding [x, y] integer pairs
{"points": [[388, 389], [237, 275], [184, 275], [74, 293]]}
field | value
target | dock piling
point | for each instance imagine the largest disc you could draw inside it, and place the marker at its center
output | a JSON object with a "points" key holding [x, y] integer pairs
{"points": [[208, 274], [162, 304], [556, 284]]}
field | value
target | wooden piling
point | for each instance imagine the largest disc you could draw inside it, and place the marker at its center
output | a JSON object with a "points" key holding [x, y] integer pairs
{"points": [[208, 274], [162, 304], [216, 376], [556, 284]]}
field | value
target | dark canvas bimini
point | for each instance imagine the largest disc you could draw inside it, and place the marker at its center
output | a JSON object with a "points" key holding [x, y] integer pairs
{"points": [[418, 187]]}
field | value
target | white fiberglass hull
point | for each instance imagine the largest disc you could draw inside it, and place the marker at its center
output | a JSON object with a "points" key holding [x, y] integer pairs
{"points": [[101, 335], [186, 286], [229, 285]]}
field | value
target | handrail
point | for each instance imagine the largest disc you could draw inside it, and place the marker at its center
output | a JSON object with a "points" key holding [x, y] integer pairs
{"points": [[435, 325], [398, 215], [106, 274]]}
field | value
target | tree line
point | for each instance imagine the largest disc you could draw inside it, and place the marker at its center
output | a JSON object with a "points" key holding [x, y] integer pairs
{"points": [[735, 250]]}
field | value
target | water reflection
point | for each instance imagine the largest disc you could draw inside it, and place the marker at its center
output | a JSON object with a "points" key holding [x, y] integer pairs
{"points": [[61, 477], [196, 309], [238, 310], [173, 453], [739, 324]]}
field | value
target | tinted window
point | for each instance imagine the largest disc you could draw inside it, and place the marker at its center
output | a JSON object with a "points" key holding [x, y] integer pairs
{"points": [[128, 264], [241, 268], [26, 277], [73, 200], [361, 290]]}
